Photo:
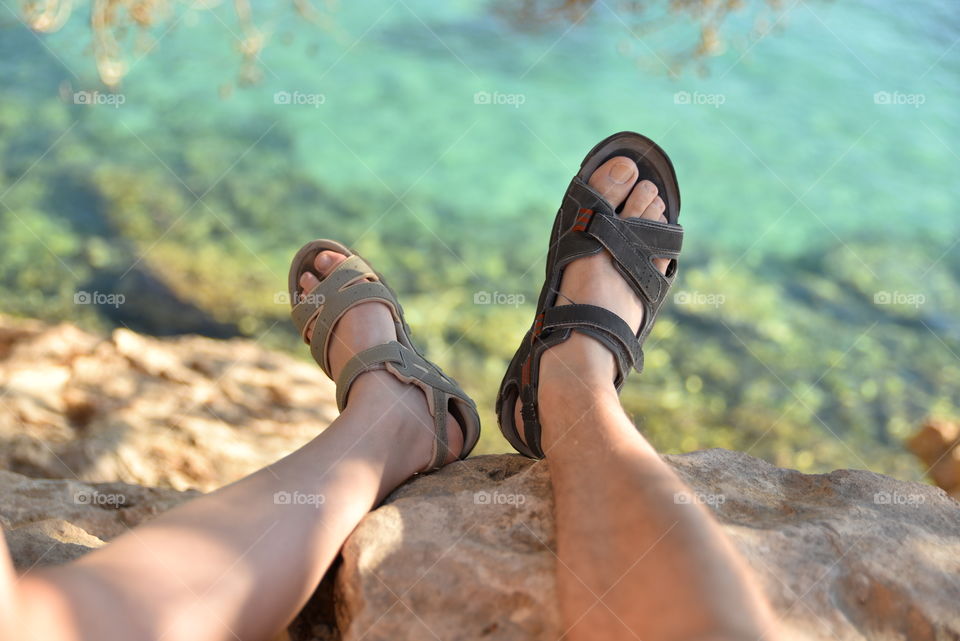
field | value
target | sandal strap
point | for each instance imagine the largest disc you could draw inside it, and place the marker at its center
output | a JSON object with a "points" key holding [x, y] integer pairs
{"points": [[344, 288], [336, 307], [586, 225], [633, 243], [603, 325], [410, 367], [352, 268], [354, 282]]}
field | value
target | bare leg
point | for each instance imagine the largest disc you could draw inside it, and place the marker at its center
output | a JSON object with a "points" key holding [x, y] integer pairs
{"points": [[634, 562], [239, 563]]}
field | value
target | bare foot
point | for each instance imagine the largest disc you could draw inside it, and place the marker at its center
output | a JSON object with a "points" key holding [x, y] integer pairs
{"points": [[367, 325]]}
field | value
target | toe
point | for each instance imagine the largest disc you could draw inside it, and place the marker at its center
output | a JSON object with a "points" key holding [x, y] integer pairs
{"points": [[644, 202], [654, 210], [644, 195], [326, 261], [614, 179], [308, 281]]}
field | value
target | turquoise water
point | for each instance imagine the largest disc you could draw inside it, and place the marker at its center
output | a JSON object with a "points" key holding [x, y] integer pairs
{"points": [[832, 142], [797, 153]]}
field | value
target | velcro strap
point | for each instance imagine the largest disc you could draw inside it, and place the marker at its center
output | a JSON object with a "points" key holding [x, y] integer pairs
{"points": [[663, 239], [410, 367], [620, 337], [633, 244], [336, 306], [368, 359], [306, 309], [583, 197], [352, 269]]}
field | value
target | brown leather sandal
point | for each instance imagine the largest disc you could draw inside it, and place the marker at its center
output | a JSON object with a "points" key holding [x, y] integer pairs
{"points": [[587, 224], [351, 283]]}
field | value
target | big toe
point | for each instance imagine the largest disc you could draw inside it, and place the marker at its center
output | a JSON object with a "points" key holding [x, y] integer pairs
{"points": [[326, 261], [614, 179]]}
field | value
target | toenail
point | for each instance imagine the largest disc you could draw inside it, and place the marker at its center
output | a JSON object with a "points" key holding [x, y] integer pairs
{"points": [[648, 186], [322, 261], [620, 172]]}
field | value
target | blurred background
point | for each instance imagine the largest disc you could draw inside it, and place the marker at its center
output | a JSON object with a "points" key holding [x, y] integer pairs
{"points": [[159, 168]]}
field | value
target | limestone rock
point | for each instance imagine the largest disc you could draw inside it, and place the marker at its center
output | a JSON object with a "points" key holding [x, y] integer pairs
{"points": [[937, 445], [185, 412], [99, 434], [48, 522], [462, 554], [934, 437], [467, 553]]}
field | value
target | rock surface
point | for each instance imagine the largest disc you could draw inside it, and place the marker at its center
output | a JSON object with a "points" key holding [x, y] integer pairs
{"points": [[185, 413], [467, 553], [54, 521], [937, 445], [462, 554]]}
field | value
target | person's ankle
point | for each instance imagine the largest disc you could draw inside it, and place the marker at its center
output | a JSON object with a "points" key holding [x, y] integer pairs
{"points": [[576, 381], [401, 414], [577, 368]]}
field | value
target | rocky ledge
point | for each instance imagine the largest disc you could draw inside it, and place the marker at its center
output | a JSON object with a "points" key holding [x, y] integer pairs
{"points": [[184, 413], [466, 553]]}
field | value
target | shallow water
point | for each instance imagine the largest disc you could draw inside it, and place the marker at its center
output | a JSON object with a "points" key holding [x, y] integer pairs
{"points": [[797, 153]]}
